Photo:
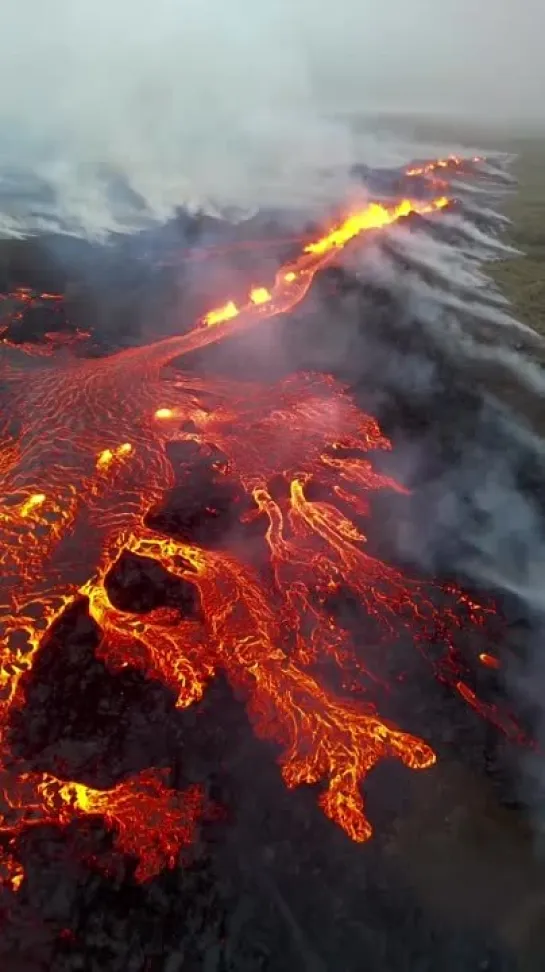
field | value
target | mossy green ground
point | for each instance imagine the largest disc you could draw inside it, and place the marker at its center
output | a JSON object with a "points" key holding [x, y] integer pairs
{"points": [[523, 278]]}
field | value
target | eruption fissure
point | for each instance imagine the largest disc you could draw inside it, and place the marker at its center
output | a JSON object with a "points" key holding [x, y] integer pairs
{"points": [[79, 481]]}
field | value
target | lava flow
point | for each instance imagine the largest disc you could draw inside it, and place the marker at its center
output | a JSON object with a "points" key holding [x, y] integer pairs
{"points": [[84, 465], [451, 163], [13, 309]]}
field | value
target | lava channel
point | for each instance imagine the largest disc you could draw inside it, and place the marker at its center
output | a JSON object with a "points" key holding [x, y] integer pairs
{"points": [[81, 475]]}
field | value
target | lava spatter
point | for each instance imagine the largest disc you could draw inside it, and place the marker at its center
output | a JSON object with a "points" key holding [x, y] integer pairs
{"points": [[88, 466], [150, 821]]}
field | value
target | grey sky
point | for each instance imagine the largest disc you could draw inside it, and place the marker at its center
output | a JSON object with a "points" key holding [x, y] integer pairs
{"points": [[468, 55], [480, 58], [179, 92]]}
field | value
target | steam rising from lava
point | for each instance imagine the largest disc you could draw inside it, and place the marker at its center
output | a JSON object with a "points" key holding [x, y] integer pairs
{"points": [[112, 115], [85, 469]]}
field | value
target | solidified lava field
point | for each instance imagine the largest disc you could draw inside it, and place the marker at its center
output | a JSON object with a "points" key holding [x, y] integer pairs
{"points": [[222, 659]]}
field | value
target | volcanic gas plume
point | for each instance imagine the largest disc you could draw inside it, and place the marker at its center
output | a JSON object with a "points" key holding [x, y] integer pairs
{"points": [[84, 466]]}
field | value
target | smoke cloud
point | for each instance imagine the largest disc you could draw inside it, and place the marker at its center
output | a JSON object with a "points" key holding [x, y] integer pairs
{"points": [[114, 113]]}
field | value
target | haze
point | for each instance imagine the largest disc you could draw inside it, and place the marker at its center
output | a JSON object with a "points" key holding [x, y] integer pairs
{"points": [[193, 99]]}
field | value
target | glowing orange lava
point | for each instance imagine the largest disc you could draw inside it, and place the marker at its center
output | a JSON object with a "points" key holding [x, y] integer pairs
{"points": [[86, 464], [435, 170], [20, 300], [451, 162]]}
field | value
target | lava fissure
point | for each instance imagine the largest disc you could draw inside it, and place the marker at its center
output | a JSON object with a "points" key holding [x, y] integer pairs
{"points": [[79, 484]]}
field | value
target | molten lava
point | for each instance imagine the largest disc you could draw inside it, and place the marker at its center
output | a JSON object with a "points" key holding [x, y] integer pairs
{"points": [[435, 171], [19, 301], [83, 461], [451, 162]]}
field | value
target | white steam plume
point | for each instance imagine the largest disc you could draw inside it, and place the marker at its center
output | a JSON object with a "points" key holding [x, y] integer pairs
{"points": [[199, 102]]}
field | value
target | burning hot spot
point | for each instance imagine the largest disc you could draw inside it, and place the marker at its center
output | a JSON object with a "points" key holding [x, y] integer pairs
{"points": [[109, 456], [260, 295], [317, 254]]}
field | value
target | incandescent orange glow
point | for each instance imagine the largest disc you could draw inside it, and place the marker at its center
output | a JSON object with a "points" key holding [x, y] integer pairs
{"points": [[109, 456], [221, 314], [260, 295], [372, 217], [489, 660], [12, 873], [317, 254], [32, 503], [91, 444], [428, 168], [105, 458], [53, 341]]}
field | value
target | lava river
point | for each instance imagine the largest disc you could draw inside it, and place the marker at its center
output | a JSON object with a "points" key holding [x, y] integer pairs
{"points": [[84, 462]]}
